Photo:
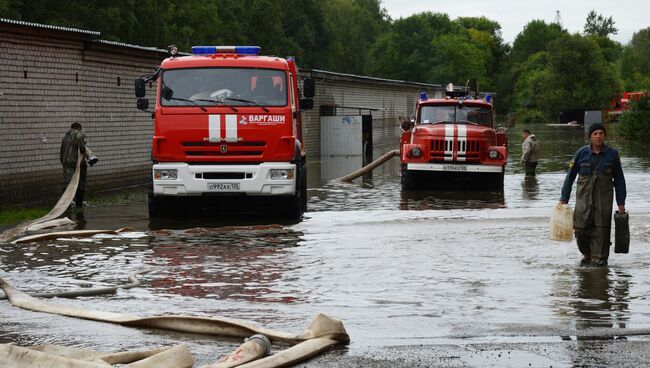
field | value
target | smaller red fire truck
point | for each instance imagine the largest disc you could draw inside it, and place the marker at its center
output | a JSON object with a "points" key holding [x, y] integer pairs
{"points": [[452, 144], [621, 104], [227, 125]]}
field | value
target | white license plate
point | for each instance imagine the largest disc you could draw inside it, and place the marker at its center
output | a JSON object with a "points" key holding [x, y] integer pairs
{"points": [[454, 167], [223, 187]]}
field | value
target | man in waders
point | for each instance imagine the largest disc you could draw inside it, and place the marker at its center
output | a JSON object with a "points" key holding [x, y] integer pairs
{"points": [[529, 152], [73, 144], [599, 171]]}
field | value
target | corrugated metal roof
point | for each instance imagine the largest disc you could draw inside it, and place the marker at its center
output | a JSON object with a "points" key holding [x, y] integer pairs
{"points": [[47, 26], [143, 48], [344, 76]]}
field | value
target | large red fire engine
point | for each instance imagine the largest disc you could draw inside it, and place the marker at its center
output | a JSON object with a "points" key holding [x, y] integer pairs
{"points": [[452, 143], [227, 124]]}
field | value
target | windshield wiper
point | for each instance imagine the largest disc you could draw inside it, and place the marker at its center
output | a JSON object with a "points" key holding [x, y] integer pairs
{"points": [[193, 102], [438, 122], [248, 101], [467, 121], [217, 102]]}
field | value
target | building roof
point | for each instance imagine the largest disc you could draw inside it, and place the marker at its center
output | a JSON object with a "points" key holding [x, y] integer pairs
{"points": [[47, 26]]}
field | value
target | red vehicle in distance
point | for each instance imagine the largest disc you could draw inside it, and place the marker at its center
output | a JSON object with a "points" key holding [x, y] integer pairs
{"points": [[621, 104], [452, 144]]}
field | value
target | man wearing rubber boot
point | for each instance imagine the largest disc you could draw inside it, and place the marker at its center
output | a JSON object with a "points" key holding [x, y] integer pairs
{"points": [[73, 144], [599, 172]]}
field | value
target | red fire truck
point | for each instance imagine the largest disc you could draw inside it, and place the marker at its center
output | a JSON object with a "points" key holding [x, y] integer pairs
{"points": [[621, 104], [227, 124], [452, 144]]}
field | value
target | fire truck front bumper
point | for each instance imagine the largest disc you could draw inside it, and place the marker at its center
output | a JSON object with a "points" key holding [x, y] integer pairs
{"points": [[181, 179], [455, 167]]}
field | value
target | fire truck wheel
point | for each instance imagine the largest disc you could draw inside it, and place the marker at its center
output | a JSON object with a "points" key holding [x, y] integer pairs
{"points": [[408, 179], [156, 205], [303, 187], [298, 203]]}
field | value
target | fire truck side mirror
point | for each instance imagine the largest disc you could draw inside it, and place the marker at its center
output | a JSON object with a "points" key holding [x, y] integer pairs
{"points": [[140, 87], [142, 103], [308, 87], [306, 104]]}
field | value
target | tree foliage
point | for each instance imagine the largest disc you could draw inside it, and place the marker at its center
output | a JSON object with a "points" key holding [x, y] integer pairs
{"points": [[598, 25], [571, 73], [635, 62], [534, 38], [430, 47], [634, 124], [544, 70]]}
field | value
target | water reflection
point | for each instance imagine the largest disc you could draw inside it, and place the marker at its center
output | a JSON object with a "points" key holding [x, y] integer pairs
{"points": [[439, 200], [601, 297], [600, 301], [333, 167], [238, 263], [594, 297], [529, 188]]}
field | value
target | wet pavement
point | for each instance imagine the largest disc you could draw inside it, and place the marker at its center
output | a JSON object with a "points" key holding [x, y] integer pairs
{"points": [[418, 278]]}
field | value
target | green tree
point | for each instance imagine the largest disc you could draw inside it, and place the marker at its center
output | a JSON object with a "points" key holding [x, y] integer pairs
{"points": [[486, 34], [353, 26], [635, 62], [534, 38], [429, 47], [405, 52], [598, 25], [571, 73], [457, 59], [634, 124]]}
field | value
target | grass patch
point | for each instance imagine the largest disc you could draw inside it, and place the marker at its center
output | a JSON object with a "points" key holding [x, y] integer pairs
{"points": [[17, 215], [12, 216], [117, 197]]}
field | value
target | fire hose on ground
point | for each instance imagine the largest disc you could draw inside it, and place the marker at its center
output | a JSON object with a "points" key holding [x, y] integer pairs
{"points": [[323, 333], [371, 166]]}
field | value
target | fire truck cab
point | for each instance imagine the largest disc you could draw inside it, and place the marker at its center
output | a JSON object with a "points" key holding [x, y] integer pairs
{"points": [[452, 144], [227, 123]]}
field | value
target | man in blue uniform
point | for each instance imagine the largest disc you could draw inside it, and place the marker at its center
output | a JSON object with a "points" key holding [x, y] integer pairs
{"points": [[599, 172]]}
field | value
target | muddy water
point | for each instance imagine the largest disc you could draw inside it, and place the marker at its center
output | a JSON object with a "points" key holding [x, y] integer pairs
{"points": [[399, 268]]}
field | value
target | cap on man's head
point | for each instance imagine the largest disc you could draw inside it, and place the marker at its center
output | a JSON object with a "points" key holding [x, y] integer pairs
{"points": [[75, 125], [526, 131], [595, 127]]}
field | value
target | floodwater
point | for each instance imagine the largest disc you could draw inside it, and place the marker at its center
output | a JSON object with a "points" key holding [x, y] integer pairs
{"points": [[398, 268]]}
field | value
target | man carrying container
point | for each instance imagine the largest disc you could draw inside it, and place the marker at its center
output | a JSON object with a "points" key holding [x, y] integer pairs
{"points": [[599, 171]]}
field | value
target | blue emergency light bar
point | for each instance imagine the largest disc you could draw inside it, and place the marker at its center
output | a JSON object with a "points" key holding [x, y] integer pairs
{"points": [[423, 96], [240, 50]]}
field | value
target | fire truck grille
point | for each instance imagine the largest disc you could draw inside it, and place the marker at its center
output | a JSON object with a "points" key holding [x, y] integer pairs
{"points": [[224, 149], [466, 150]]}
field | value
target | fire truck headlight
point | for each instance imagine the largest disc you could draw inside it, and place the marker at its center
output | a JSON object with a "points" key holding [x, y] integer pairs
{"points": [[281, 174], [416, 152], [493, 154], [165, 174]]}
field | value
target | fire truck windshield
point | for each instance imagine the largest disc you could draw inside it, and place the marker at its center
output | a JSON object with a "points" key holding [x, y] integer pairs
{"points": [[455, 114], [229, 86]]}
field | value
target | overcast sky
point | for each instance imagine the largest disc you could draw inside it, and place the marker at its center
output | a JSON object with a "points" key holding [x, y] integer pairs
{"points": [[629, 15]]}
